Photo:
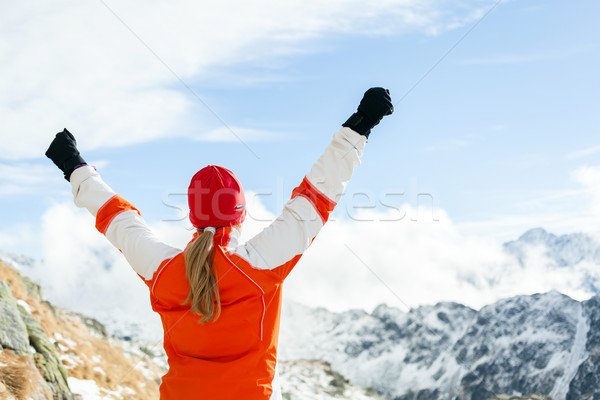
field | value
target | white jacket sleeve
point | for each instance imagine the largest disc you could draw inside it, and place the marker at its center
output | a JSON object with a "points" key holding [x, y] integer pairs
{"points": [[284, 241], [120, 222]]}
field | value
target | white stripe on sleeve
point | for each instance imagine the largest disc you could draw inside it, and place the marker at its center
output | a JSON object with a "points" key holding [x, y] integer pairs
{"points": [[143, 250], [89, 190], [332, 171]]}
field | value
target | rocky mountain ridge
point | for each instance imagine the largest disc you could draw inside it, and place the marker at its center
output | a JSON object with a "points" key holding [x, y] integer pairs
{"points": [[546, 344]]}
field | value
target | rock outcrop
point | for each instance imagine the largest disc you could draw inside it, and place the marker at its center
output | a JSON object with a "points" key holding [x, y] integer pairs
{"points": [[47, 353]]}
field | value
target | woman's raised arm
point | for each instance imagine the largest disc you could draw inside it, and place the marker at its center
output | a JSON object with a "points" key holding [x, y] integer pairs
{"points": [[116, 218], [280, 246]]}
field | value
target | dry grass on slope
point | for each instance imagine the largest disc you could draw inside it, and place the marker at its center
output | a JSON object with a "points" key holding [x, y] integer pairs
{"points": [[18, 376], [85, 352]]}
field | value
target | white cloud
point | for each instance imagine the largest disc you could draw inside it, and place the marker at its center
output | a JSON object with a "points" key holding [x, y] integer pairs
{"points": [[582, 153], [74, 64], [589, 178], [421, 261], [83, 272], [28, 178]]}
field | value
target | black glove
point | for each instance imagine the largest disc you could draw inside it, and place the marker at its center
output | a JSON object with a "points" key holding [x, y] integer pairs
{"points": [[375, 104], [63, 152]]}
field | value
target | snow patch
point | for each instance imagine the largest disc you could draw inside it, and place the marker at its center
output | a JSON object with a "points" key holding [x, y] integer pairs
{"points": [[86, 388], [577, 355], [89, 390], [99, 370], [25, 305]]}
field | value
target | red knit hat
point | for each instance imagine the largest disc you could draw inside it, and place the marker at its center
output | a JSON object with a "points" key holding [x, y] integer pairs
{"points": [[216, 198]]}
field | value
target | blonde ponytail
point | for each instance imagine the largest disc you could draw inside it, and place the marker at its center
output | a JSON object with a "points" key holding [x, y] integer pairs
{"points": [[204, 292]]}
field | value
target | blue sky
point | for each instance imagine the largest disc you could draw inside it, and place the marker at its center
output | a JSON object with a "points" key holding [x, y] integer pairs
{"points": [[504, 132]]}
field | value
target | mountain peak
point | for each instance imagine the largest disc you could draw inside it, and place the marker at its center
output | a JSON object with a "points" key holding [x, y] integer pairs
{"points": [[563, 251], [537, 235]]}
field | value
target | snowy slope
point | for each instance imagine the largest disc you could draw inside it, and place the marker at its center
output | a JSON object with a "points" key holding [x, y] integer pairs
{"points": [[520, 345], [388, 349], [315, 380]]}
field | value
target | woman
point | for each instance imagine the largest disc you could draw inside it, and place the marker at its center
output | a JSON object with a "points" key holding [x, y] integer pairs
{"points": [[220, 300]]}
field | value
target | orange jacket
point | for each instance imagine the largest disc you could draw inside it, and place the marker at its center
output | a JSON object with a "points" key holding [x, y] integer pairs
{"points": [[234, 357]]}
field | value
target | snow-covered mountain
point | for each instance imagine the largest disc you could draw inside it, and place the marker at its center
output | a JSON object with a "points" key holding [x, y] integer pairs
{"points": [[543, 346], [545, 343], [577, 252], [564, 250]]}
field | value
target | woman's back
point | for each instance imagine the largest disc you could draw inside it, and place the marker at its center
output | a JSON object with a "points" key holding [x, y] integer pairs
{"points": [[226, 357]]}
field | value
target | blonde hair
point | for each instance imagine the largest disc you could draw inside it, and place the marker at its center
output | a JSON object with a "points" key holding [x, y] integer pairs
{"points": [[204, 292]]}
